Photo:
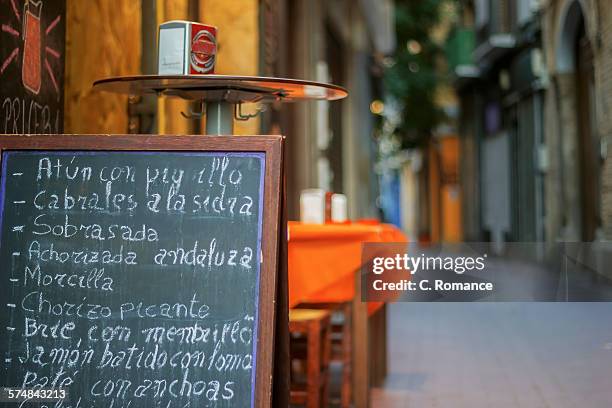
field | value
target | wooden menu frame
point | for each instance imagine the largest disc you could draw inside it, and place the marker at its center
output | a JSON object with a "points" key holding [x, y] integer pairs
{"points": [[271, 239]]}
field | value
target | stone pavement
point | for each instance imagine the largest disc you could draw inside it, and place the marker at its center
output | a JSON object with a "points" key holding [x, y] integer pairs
{"points": [[498, 355]]}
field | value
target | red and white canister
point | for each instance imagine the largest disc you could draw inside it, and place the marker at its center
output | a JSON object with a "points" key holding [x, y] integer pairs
{"points": [[185, 47]]}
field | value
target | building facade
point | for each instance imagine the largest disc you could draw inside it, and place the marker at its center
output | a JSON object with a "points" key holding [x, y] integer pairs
{"points": [[534, 79], [497, 70], [577, 35]]}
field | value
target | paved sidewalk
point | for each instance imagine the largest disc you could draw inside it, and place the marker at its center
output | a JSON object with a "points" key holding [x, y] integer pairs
{"points": [[498, 355]]}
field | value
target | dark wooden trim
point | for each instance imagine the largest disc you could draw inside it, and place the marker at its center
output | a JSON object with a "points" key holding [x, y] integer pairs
{"points": [[271, 229], [268, 287], [281, 342], [145, 143]]}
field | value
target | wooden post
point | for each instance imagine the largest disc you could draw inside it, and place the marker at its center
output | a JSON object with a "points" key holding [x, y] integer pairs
{"points": [[361, 369]]}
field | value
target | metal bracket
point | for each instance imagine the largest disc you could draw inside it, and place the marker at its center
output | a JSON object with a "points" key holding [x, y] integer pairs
{"points": [[195, 115], [238, 115]]}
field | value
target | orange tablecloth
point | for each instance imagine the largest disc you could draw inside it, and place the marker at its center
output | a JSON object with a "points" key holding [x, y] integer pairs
{"points": [[323, 259]]}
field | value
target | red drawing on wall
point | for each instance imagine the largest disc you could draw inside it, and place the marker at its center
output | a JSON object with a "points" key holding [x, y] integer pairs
{"points": [[30, 31], [30, 70]]}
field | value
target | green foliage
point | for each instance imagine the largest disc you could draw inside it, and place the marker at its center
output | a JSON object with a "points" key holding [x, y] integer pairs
{"points": [[412, 77]]}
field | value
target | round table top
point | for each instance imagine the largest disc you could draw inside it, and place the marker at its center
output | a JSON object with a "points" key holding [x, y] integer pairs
{"points": [[222, 88]]}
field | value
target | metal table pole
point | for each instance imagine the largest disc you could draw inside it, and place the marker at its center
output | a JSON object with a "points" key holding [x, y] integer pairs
{"points": [[219, 118]]}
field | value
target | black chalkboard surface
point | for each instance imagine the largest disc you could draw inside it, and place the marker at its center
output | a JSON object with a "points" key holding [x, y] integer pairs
{"points": [[133, 277]]}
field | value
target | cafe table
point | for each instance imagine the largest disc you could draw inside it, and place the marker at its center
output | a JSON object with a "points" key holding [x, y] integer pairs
{"points": [[324, 261]]}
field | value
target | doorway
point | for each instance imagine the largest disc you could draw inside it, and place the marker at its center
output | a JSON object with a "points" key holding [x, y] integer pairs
{"points": [[588, 140]]}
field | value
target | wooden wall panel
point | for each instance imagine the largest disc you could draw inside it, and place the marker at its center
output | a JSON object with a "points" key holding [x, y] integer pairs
{"points": [[238, 39], [102, 39]]}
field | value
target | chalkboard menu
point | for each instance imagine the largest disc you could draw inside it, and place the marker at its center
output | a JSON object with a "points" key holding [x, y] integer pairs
{"points": [[32, 50], [134, 278]]}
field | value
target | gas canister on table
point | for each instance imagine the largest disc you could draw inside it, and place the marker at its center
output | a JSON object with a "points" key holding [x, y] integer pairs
{"points": [[185, 48]]}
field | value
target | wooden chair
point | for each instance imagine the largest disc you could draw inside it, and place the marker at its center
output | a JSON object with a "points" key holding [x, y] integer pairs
{"points": [[310, 334], [377, 326], [341, 345]]}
